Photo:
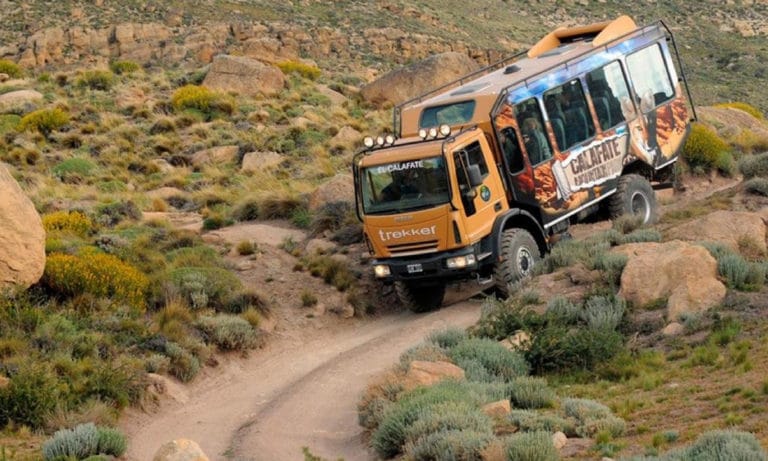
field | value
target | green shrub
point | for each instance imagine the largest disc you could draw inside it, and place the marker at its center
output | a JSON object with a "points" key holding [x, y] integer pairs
{"points": [[532, 421], [448, 416], [612, 265], [740, 274], [529, 392], [560, 348], [98, 274], [603, 312], [184, 365], [531, 446], [74, 222], [754, 166], [96, 79], [757, 186], [246, 248], [11, 68], [424, 352], [563, 310], [305, 70], [9, 123], [29, 397], [78, 443], [301, 218], [592, 417], [44, 121], [279, 207], [199, 98], [458, 445], [74, 169], [111, 441], [718, 445], [332, 271], [332, 216], [308, 299], [705, 149], [627, 223], [205, 286], [447, 338], [228, 332], [499, 361], [124, 67], [743, 106]]}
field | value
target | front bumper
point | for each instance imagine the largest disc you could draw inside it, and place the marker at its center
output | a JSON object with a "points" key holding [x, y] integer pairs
{"points": [[434, 265]]}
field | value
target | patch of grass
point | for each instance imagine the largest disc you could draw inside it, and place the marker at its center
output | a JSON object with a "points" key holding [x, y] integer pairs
{"points": [[96, 79], [447, 338], [74, 170], [209, 103], [246, 248], [308, 299], [73, 222], [332, 271]]}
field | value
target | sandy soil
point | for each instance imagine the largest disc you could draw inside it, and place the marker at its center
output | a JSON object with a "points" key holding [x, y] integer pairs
{"points": [[301, 389]]}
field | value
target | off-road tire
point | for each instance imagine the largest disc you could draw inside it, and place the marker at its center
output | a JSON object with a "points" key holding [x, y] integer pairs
{"points": [[420, 298], [519, 254], [634, 196]]}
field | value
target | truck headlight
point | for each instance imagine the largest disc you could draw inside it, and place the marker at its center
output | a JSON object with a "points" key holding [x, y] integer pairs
{"points": [[460, 262], [381, 270]]}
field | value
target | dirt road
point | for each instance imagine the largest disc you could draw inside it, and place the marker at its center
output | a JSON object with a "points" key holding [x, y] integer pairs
{"points": [[297, 392]]}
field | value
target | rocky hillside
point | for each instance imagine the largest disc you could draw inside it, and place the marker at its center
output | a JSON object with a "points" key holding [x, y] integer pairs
{"points": [[723, 54]]}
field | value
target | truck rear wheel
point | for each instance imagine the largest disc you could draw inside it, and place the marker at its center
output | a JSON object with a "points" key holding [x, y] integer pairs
{"points": [[420, 298], [634, 196], [519, 254]]}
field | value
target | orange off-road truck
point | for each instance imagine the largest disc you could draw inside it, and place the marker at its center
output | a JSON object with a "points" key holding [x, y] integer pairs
{"points": [[482, 176]]}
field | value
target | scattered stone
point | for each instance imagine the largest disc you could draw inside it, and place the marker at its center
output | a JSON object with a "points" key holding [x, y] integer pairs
{"points": [[520, 341], [673, 329], [244, 76], [22, 237], [220, 154], [423, 373], [410, 81], [338, 189], [19, 100], [559, 440], [4, 382], [683, 274], [4, 77], [180, 450], [260, 161], [500, 409], [576, 447]]}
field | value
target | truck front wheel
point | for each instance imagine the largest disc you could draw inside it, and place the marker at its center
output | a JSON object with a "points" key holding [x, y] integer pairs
{"points": [[634, 196], [519, 254], [420, 298]]}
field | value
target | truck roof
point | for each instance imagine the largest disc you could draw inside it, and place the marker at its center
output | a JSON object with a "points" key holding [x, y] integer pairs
{"points": [[554, 49]]}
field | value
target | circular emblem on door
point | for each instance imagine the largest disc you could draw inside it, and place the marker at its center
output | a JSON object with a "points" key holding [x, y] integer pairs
{"points": [[485, 193]]}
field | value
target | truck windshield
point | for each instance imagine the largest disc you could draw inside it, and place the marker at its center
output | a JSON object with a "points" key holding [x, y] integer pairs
{"points": [[404, 186]]}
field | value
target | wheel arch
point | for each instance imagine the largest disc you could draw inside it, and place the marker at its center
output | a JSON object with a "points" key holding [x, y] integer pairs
{"points": [[518, 218]]}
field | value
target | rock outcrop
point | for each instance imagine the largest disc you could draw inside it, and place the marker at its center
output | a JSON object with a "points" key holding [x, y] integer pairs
{"points": [[244, 76], [732, 228], [260, 161], [338, 189], [180, 450], [22, 237], [20, 100], [683, 274], [408, 82], [423, 373]]}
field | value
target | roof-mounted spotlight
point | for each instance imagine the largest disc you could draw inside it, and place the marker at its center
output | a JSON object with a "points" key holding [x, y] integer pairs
{"points": [[433, 132], [445, 130], [368, 142], [379, 140], [389, 139], [423, 133]]}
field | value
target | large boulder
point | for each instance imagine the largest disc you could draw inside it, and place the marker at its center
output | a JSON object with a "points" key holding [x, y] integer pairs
{"points": [[260, 161], [683, 274], [180, 450], [338, 189], [727, 227], [20, 100], [22, 237], [244, 76], [410, 81]]}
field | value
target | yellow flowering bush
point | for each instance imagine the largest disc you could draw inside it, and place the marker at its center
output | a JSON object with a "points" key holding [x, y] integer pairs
{"points": [[706, 150], [74, 222], [202, 99], [305, 70], [743, 106], [44, 120], [99, 274]]}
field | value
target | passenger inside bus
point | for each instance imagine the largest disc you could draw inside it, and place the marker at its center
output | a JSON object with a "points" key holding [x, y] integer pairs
{"points": [[535, 141], [403, 184]]}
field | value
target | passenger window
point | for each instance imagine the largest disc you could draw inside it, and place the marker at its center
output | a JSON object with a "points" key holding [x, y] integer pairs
{"points": [[650, 78], [610, 95], [510, 148], [567, 107], [531, 125]]}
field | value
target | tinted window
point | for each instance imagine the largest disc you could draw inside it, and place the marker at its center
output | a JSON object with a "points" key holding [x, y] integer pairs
{"points": [[449, 114], [649, 76], [535, 138], [610, 95], [567, 108]]}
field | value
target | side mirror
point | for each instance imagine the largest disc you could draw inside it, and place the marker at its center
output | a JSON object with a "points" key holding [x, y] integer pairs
{"points": [[475, 177]]}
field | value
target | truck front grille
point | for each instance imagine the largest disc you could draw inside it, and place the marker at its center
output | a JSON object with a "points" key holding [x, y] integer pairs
{"points": [[406, 249]]}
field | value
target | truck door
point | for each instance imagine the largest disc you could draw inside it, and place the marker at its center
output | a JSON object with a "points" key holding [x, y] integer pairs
{"points": [[480, 203]]}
